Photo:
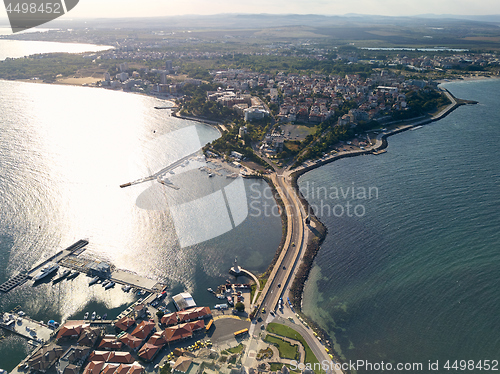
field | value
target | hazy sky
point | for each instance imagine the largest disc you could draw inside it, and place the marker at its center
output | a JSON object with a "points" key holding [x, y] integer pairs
{"points": [[116, 8], [145, 8]]}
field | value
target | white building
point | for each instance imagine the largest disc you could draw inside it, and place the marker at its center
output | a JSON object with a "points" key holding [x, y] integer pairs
{"points": [[237, 155], [255, 113], [183, 301]]}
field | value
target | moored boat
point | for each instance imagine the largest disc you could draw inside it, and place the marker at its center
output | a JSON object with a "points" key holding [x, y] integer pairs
{"points": [[109, 285], [72, 275], [93, 316], [86, 315], [93, 281], [47, 270], [63, 275]]}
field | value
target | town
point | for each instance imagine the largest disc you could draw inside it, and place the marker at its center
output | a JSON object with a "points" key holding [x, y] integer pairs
{"points": [[282, 108]]}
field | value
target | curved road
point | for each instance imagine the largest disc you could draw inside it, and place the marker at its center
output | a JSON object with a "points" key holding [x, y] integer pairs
{"points": [[284, 271]]}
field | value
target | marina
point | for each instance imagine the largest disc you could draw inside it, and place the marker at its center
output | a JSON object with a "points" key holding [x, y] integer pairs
{"points": [[74, 249], [24, 326]]}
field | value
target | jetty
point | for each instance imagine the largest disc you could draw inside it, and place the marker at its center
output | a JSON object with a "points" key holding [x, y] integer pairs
{"points": [[26, 327], [74, 249]]}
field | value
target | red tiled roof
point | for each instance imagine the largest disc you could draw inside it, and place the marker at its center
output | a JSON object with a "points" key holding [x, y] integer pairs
{"points": [[109, 368], [169, 319], [197, 325], [121, 357], [93, 367], [143, 329], [110, 343], [177, 332], [157, 339], [148, 351], [186, 315], [131, 341], [122, 369], [124, 323], [182, 364], [136, 368], [71, 329], [99, 356]]}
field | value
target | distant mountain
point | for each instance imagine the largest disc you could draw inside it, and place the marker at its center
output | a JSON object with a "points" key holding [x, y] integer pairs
{"points": [[495, 18], [253, 21]]}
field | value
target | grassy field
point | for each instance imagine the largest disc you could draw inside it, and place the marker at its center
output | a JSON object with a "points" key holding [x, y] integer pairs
{"points": [[286, 350], [288, 332], [236, 349], [276, 366]]}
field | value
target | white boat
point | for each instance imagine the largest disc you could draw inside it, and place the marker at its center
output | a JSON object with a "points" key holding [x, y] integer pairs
{"points": [[47, 270], [126, 288], [86, 315], [93, 316], [93, 281], [109, 285], [105, 283]]}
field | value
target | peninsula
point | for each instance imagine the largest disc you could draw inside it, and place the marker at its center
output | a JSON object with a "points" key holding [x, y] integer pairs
{"points": [[283, 107]]}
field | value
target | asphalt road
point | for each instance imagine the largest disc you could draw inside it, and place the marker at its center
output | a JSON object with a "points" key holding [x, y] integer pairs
{"points": [[284, 272]]}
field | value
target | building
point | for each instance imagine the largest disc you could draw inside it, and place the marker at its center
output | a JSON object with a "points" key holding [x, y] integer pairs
{"points": [[168, 66], [123, 66], [100, 269], [236, 155], [183, 301], [45, 357], [163, 77], [255, 113], [242, 131], [140, 311], [182, 365]]}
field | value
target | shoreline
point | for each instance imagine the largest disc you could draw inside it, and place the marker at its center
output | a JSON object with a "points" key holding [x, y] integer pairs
{"points": [[312, 248], [381, 139], [380, 143]]}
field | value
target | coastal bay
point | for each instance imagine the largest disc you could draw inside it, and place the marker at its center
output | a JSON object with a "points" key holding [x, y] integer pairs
{"points": [[60, 182], [413, 279]]}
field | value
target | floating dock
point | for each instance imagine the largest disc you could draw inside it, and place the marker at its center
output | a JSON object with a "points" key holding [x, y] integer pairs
{"points": [[14, 282], [74, 249]]}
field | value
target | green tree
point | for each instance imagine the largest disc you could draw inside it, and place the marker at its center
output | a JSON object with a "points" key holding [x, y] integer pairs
{"points": [[240, 307], [166, 369]]}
